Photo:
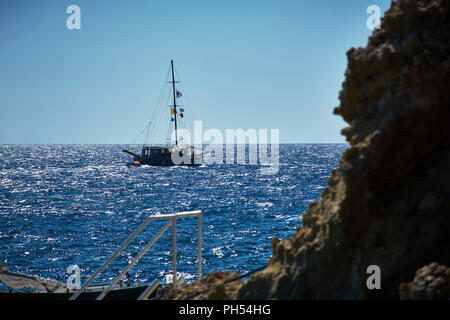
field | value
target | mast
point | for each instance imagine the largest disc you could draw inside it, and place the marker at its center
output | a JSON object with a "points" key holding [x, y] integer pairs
{"points": [[174, 103]]}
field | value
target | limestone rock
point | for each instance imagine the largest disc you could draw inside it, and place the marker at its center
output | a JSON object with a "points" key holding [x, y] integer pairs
{"points": [[218, 285], [431, 282], [388, 202]]}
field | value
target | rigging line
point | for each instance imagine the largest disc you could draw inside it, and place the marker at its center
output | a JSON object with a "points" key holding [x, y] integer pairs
{"points": [[148, 132], [187, 121], [188, 111], [137, 137], [182, 88], [160, 104], [158, 116], [188, 117], [156, 107], [167, 121], [141, 133], [176, 80], [159, 108], [147, 127]]}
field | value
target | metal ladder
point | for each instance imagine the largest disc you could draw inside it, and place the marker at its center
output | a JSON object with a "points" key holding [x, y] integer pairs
{"points": [[172, 222]]}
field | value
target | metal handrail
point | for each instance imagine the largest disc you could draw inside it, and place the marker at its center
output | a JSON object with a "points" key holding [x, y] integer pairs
{"points": [[150, 289], [173, 221]]}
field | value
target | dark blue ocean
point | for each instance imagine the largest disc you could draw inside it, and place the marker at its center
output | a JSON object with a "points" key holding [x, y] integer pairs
{"points": [[63, 205]]}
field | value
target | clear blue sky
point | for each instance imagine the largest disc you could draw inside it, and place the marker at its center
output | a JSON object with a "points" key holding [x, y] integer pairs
{"points": [[244, 64]]}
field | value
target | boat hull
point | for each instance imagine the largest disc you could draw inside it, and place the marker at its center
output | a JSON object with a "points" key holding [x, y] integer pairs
{"points": [[165, 163]]}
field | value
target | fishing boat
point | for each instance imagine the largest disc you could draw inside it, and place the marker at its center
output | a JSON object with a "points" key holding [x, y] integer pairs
{"points": [[169, 155]]}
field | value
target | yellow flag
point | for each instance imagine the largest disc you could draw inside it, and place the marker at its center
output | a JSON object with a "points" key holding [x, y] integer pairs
{"points": [[172, 111]]}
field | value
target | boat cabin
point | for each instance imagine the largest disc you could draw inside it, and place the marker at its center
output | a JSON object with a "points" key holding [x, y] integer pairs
{"points": [[156, 152]]}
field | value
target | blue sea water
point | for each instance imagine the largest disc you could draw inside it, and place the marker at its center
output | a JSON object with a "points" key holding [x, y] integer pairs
{"points": [[63, 205]]}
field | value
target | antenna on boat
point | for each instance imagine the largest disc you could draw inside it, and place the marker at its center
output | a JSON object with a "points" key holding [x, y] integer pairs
{"points": [[174, 103]]}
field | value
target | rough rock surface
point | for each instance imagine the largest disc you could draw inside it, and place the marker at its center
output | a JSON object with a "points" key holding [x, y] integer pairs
{"points": [[218, 285], [430, 283], [388, 202]]}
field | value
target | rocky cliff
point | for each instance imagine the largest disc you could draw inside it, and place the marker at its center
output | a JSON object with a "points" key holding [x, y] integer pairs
{"points": [[388, 202]]}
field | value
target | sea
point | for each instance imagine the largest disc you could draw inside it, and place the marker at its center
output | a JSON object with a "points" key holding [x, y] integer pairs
{"points": [[66, 205]]}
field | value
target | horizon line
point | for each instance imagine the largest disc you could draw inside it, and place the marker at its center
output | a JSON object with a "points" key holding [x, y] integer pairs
{"points": [[157, 144]]}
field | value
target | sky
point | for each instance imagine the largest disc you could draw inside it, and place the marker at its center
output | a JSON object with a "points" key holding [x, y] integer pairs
{"points": [[243, 64]]}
